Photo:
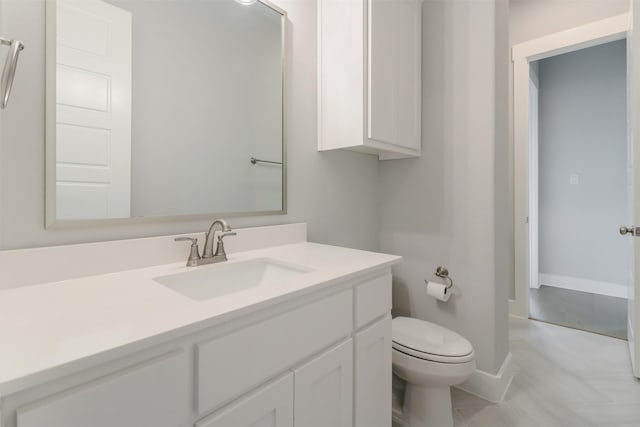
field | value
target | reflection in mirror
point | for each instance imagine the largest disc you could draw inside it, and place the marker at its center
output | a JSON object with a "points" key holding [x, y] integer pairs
{"points": [[156, 108]]}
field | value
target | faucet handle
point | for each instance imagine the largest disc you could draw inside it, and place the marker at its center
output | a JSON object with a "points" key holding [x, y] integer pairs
{"points": [[186, 239], [225, 234], [220, 254], [194, 254]]}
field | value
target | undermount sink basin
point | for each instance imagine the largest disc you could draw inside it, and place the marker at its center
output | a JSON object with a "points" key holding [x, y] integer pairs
{"points": [[221, 279]]}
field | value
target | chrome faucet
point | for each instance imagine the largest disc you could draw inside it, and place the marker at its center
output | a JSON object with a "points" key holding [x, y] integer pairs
{"points": [[208, 256], [220, 254]]}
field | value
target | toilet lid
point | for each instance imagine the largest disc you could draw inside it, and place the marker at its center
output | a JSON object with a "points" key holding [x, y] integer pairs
{"points": [[429, 341]]}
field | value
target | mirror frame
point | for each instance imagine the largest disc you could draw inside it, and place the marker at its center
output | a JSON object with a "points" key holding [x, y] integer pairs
{"points": [[50, 140]]}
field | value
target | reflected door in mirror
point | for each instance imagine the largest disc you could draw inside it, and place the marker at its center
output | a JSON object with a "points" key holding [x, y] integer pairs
{"points": [[93, 110]]}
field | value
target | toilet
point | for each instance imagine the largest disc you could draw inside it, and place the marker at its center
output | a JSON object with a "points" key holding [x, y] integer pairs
{"points": [[430, 359]]}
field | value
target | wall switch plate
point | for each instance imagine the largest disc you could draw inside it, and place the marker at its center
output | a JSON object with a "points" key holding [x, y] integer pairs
{"points": [[574, 179]]}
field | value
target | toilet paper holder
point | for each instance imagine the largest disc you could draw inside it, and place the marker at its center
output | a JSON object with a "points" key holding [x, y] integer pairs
{"points": [[443, 273]]}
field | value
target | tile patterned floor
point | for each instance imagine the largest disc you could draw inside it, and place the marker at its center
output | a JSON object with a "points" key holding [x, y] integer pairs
{"points": [[565, 378], [590, 312]]}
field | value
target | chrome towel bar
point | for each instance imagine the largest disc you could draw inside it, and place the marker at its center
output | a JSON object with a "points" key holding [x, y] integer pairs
{"points": [[9, 71]]}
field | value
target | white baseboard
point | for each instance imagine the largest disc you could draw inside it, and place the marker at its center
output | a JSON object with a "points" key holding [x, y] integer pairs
{"points": [[491, 387], [584, 285], [519, 308]]}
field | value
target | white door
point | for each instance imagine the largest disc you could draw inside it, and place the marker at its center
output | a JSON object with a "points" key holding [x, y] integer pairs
{"points": [[93, 110], [633, 156], [324, 390]]}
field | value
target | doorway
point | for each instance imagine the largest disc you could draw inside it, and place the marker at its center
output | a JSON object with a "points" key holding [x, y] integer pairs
{"points": [[578, 189]]}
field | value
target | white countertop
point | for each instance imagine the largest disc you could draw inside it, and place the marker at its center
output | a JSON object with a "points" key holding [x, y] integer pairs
{"points": [[47, 326]]}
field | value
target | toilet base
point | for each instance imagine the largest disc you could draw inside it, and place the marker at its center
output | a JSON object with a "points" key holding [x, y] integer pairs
{"points": [[428, 406]]}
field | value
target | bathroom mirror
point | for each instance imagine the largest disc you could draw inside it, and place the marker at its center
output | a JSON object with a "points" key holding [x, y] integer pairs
{"points": [[164, 108]]}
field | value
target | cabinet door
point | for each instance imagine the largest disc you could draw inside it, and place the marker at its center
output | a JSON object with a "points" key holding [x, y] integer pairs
{"points": [[151, 394], [324, 389], [340, 73], [373, 375], [394, 95], [270, 406]]}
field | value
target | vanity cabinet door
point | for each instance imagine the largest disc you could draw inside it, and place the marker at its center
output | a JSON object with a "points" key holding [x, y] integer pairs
{"points": [[373, 375], [324, 389], [155, 393], [269, 406]]}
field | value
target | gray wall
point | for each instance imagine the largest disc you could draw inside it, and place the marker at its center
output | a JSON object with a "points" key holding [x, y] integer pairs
{"points": [[450, 206], [582, 131], [336, 193], [530, 19]]}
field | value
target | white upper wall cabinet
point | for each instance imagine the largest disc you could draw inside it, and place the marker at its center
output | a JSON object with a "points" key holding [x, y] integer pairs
{"points": [[369, 76]]}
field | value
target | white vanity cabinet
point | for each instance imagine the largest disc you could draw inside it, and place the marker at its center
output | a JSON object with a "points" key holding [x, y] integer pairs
{"points": [[322, 358], [369, 76]]}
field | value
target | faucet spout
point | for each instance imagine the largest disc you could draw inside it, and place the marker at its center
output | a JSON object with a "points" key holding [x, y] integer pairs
{"points": [[208, 244], [208, 256]]}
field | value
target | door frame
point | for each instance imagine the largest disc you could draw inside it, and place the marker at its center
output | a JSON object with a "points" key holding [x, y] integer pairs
{"points": [[592, 34]]}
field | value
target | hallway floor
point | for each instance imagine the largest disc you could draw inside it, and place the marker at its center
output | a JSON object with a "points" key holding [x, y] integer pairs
{"points": [[564, 378], [581, 310]]}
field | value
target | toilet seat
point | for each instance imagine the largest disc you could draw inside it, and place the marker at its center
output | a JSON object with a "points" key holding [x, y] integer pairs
{"points": [[428, 341]]}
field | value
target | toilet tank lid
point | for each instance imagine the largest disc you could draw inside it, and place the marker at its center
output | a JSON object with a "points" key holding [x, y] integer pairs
{"points": [[427, 337]]}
